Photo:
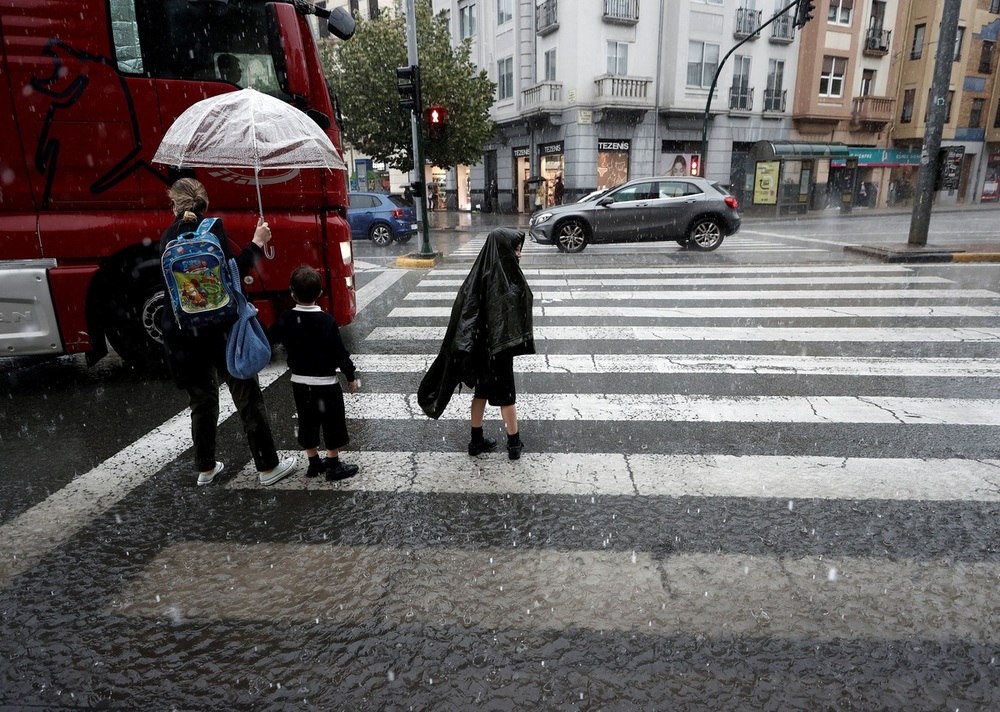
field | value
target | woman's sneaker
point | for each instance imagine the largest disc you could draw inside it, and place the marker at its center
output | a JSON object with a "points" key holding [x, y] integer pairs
{"points": [[205, 478], [484, 445], [284, 468]]}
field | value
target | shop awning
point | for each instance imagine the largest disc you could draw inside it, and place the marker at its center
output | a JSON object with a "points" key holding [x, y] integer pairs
{"points": [[797, 150]]}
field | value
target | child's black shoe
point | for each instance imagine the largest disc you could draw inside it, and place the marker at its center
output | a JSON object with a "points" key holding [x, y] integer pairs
{"points": [[514, 446], [315, 467], [337, 470], [484, 445]]}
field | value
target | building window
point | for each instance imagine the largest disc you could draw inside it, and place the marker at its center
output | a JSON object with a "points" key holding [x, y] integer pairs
{"points": [[996, 118], [617, 58], [831, 81], [467, 22], [703, 61], [505, 78], [995, 7], [740, 95], [867, 82], [774, 94], [959, 38], [917, 49], [550, 65], [505, 11], [976, 113], [986, 57], [840, 12], [908, 97]]}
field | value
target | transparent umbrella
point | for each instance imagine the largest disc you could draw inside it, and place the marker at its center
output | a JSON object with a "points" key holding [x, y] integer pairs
{"points": [[247, 129]]}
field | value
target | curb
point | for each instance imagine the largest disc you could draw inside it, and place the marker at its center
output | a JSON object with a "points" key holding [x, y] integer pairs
{"points": [[416, 260], [921, 254]]}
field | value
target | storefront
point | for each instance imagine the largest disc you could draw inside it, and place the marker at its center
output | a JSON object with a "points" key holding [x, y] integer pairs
{"points": [[612, 162], [885, 176], [550, 167], [522, 172]]}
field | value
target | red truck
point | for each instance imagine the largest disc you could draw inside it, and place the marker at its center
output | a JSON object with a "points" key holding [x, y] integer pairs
{"points": [[87, 89]]}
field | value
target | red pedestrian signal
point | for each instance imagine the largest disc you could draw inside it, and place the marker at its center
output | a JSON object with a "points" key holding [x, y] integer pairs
{"points": [[695, 165], [437, 121]]}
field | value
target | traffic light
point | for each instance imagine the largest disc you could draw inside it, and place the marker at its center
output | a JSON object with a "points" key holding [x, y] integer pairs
{"points": [[437, 121], [408, 86], [803, 13], [695, 165]]}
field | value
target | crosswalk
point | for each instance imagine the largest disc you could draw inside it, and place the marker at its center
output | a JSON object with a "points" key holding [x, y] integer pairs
{"points": [[650, 385]]}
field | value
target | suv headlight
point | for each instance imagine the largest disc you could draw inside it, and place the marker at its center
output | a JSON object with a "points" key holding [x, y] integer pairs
{"points": [[539, 219]]}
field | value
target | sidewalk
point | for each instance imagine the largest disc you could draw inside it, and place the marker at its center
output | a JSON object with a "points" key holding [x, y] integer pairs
{"points": [[979, 251]]}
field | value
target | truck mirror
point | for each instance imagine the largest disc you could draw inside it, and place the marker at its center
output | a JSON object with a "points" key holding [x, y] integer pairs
{"points": [[341, 24]]}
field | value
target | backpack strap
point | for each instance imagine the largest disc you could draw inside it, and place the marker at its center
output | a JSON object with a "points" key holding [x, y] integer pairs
{"points": [[205, 227]]}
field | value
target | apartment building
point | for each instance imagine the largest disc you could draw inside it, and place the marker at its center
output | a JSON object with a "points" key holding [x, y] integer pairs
{"points": [[599, 91], [969, 162]]}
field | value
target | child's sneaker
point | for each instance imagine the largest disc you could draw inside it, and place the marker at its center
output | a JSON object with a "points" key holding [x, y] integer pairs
{"points": [[283, 469], [205, 478], [484, 445], [336, 471]]}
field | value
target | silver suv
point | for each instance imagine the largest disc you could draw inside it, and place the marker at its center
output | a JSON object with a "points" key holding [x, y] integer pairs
{"points": [[695, 212]]}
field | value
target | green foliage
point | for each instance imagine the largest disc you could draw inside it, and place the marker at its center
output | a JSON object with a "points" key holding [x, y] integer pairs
{"points": [[362, 72]]}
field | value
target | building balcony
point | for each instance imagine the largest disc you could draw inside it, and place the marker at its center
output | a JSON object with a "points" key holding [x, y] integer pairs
{"points": [[618, 92], [774, 100], [546, 17], [748, 22], [877, 42], [544, 97], [740, 98], [621, 12], [782, 30], [872, 111]]}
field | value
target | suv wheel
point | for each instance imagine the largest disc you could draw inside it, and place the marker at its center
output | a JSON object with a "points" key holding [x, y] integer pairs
{"points": [[571, 235], [705, 235]]}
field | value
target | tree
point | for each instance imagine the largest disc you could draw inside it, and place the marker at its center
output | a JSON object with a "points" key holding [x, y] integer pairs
{"points": [[362, 72]]}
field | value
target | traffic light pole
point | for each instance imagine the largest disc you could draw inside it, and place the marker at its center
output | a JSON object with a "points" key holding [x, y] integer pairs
{"points": [[420, 202], [715, 80]]}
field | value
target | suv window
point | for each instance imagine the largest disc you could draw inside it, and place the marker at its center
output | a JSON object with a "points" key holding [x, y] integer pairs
{"points": [[639, 191]]}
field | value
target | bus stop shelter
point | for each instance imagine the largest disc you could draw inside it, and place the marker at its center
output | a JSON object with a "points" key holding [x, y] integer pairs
{"points": [[787, 173]]}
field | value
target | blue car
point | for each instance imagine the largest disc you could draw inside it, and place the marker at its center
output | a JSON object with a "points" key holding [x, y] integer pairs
{"points": [[380, 217]]}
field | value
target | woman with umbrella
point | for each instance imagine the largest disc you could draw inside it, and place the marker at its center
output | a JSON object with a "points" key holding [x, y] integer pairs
{"points": [[197, 357]]}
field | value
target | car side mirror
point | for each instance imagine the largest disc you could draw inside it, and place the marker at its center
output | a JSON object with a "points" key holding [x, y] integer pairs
{"points": [[607, 200]]}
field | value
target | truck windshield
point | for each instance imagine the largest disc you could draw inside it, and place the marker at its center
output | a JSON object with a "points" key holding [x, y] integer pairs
{"points": [[195, 39]]}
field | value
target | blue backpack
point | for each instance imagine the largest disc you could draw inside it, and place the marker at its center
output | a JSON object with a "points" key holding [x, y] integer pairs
{"points": [[198, 279]]}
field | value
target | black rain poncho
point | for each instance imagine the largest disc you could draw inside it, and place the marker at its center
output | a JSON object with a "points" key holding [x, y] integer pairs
{"points": [[491, 315]]}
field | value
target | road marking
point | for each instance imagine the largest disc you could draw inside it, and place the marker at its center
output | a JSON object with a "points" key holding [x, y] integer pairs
{"points": [[832, 312], [661, 270], [670, 408], [530, 588], [371, 291], [934, 367], [740, 295], [721, 333], [62, 514], [782, 477], [431, 282]]}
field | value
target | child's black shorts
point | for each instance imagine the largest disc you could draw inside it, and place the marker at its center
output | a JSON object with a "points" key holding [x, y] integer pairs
{"points": [[498, 388]]}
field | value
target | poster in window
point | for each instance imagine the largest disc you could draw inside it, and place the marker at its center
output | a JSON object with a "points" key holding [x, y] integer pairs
{"points": [[765, 183]]}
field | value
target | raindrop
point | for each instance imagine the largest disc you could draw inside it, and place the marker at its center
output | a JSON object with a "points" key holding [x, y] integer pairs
{"points": [[118, 519], [391, 676], [791, 505], [633, 556], [832, 574]]}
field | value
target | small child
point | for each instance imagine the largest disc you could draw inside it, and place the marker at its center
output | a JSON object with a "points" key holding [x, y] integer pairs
{"points": [[315, 351]]}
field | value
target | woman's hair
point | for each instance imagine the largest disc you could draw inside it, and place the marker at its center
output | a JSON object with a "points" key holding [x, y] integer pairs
{"points": [[189, 197], [306, 284]]}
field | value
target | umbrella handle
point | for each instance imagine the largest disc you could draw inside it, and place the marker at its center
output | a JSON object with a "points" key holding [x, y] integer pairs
{"points": [[268, 251]]}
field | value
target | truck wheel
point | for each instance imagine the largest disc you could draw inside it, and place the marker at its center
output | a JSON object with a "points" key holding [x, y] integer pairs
{"points": [[134, 329]]}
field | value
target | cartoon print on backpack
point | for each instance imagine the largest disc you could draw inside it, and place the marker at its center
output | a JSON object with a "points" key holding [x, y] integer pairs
{"points": [[198, 280]]}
